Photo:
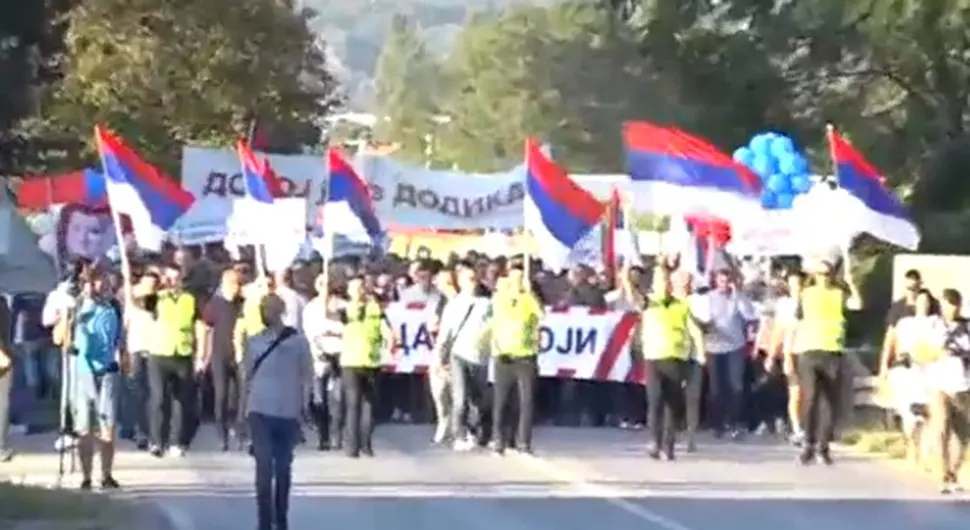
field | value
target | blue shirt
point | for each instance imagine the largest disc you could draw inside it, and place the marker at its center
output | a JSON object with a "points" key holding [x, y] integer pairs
{"points": [[96, 335]]}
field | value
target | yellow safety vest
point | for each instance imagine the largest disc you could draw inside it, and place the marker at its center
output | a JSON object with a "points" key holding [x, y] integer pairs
{"points": [[362, 335], [822, 324], [176, 313], [664, 330], [515, 325], [252, 318]]}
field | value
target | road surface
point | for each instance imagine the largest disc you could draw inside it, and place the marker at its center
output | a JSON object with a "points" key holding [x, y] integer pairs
{"points": [[579, 479]]}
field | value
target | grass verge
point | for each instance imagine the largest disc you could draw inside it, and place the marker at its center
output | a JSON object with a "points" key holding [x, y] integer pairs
{"points": [[19, 504], [877, 442]]}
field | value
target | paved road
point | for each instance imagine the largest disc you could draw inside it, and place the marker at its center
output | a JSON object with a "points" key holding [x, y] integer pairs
{"points": [[580, 478]]}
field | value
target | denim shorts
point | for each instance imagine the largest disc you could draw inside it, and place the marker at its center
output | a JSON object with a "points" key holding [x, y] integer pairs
{"points": [[94, 398]]}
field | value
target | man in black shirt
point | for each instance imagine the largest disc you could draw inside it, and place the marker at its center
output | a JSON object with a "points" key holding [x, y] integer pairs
{"points": [[220, 315], [583, 400], [898, 310]]}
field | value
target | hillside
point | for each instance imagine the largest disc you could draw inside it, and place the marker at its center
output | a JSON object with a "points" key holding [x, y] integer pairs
{"points": [[355, 29]]}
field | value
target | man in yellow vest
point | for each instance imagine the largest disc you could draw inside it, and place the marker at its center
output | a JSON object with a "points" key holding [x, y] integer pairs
{"points": [[366, 333], [174, 363], [820, 341], [514, 327], [667, 339]]}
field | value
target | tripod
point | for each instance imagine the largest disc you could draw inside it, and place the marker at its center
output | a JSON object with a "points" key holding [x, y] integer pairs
{"points": [[66, 436]]}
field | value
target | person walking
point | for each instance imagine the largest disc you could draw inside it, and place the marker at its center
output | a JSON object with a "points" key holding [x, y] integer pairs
{"points": [[458, 350], [173, 366], [143, 332], [94, 393], [514, 326], [820, 338], [220, 318], [667, 338], [324, 331], [365, 333], [279, 386]]}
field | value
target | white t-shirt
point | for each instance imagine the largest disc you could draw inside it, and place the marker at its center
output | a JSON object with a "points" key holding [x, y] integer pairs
{"points": [[913, 331]]}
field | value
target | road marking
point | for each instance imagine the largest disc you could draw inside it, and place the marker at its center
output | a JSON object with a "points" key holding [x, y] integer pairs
{"points": [[611, 496]]}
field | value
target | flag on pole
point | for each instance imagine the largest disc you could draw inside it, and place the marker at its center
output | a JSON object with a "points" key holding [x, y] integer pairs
{"points": [[349, 208], [882, 214], [676, 173], [261, 183], [558, 213], [151, 199]]}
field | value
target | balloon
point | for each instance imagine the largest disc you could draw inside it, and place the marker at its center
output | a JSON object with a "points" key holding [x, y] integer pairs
{"points": [[781, 146], [763, 165], [801, 183], [784, 201], [743, 155], [779, 183], [793, 164], [768, 199], [760, 144]]}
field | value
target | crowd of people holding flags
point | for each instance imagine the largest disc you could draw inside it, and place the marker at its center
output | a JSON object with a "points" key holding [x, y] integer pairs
{"points": [[313, 339]]}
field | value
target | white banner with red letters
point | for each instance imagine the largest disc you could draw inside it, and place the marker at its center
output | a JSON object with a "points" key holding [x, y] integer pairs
{"points": [[574, 343]]}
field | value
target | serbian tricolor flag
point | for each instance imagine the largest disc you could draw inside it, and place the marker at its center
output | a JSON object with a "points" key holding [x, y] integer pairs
{"points": [[349, 209], [151, 199], [261, 183], [558, 213], [79, 187], [676, 173], [881, 213]]}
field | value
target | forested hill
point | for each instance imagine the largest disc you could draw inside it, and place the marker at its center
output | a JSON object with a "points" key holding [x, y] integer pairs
{"points": [[355, 30]]}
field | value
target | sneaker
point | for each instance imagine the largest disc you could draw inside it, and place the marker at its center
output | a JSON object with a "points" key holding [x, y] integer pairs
{"points": [[176, 451], [762, 430], [367, 451], [691, 446], [807, 456], [155, 451], [463, 445], [824, 456], [109, 483], [797, 438], [142, 444], [737, 434], [6, 455], [86, 485], [654, 453]]}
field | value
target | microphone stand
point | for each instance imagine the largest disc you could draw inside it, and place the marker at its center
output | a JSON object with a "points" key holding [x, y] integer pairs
{"points": [[66, 439]]}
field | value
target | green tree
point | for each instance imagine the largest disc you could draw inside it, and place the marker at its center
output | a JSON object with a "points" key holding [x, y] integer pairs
{"points": [[165, 73], [30, 36], [407, 84], [567, 74]]}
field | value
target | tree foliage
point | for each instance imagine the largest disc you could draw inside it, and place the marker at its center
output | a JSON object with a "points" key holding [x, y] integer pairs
{"points": [[165, 73], [407, 87]]}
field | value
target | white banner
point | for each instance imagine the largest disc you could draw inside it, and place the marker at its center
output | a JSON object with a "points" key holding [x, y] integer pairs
{"points": [[411, 197], [577, 343]]}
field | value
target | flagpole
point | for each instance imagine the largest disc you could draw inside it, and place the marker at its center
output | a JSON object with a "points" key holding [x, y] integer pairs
{"points": [[526, 237], [116, 220], [259, 249], [844, 247], [327, 234]]}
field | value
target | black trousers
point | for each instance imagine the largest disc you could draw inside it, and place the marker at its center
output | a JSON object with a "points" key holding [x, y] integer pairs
{"points": [[666, 379], [820, 379], [171, 383], [520, 374], [694, 397], [328, 406], [360, 399], [229, 395]]}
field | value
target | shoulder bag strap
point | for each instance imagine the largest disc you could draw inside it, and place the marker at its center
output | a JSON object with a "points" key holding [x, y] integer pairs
{"points": [[286, 333]]}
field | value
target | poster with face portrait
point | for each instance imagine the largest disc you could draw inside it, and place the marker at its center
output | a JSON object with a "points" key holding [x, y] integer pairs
{"points": [[71, 231]]}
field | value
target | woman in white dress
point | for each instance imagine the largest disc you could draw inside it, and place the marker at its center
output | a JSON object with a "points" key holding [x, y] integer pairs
{"points": [[919, 340], [949, 392]]}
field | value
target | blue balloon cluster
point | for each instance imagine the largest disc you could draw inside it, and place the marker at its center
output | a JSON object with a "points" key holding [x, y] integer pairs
{"points": [[783, 170]]}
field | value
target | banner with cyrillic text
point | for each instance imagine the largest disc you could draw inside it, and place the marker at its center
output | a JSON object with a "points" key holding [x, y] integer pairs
{"points": [[405, 196], [576, 343]]}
